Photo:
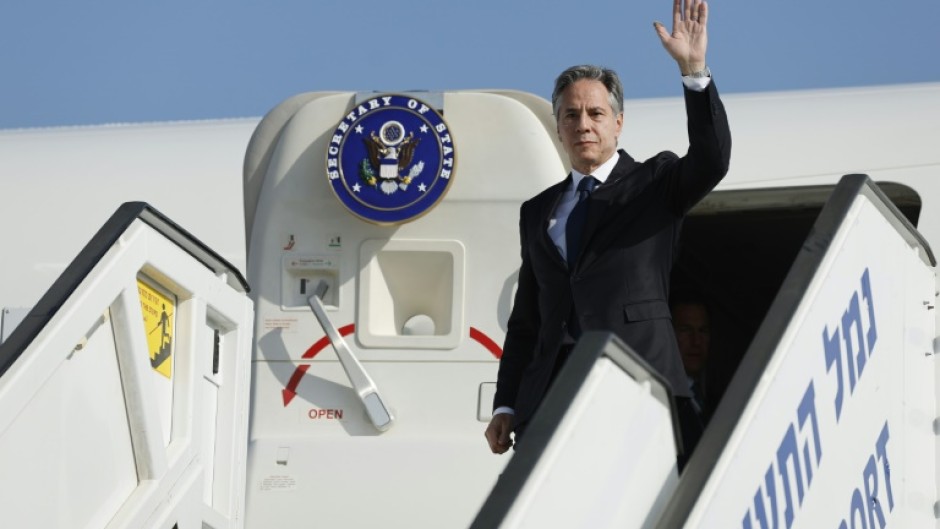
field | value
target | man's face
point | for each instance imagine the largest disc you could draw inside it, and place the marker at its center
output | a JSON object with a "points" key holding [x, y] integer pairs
{"points": [[587, 125], [693, 335]]}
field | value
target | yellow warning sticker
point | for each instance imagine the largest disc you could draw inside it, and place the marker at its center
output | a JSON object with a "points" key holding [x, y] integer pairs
{"points": [[159, 311]]}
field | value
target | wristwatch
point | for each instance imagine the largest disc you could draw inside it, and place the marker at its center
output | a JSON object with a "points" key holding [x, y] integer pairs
{"points": [[704, 72]]}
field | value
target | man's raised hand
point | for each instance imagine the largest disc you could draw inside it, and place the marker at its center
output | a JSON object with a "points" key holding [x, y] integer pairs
{"points": [[689, 39]]}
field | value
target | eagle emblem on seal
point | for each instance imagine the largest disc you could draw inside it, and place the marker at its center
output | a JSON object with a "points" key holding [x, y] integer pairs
{"points": [[390, 152]]}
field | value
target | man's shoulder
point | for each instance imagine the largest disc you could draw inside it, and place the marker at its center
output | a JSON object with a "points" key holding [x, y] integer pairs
{"points": [[630, 171], [660, 157], [663, 157]]}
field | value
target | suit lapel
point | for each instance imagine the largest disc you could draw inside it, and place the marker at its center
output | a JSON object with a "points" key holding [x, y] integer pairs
{"points": [[548, 207], [617, 188]]}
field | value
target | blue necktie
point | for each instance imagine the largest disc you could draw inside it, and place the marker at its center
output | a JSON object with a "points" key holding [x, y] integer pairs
{"points": [[574, 228]]}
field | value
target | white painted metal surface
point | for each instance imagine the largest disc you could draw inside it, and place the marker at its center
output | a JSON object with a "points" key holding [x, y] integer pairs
{"points": [[59, 185], [600, 452], [97, 430], [611, 463], [313, 451]]}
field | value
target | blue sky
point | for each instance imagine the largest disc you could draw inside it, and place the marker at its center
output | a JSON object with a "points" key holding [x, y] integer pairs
{"points": [[68, 63]]}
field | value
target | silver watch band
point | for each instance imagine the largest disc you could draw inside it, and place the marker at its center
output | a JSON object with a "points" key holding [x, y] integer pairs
{"points": [[704, 72]]}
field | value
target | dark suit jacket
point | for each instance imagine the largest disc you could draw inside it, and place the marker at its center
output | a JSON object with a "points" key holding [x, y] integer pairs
{"points": [[620, 282]]}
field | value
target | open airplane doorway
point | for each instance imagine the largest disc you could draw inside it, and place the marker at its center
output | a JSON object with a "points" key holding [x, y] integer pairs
{"points": [[736, 249]]}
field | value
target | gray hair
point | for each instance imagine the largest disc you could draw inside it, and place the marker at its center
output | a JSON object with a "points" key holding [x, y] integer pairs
{"points": [[590, 72]]}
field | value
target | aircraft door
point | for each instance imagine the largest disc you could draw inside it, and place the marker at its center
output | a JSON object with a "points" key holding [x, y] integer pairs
{"points": [[383, 249]]}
